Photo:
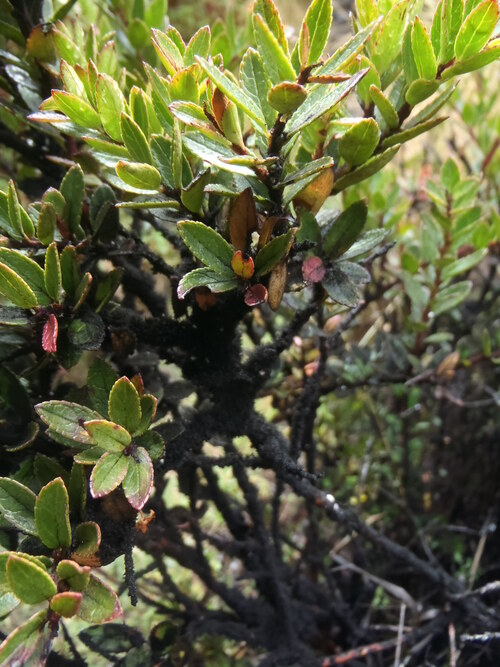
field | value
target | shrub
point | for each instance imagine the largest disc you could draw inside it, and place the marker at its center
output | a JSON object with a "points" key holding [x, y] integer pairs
{"points": [[192, 229]]}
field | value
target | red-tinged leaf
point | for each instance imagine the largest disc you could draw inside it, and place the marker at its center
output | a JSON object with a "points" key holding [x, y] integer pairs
{"points": [[255, 295], [108, 473], [138, 482], [99, 603], [66, 604], [313, 270], [49, 335], [242, 265]]}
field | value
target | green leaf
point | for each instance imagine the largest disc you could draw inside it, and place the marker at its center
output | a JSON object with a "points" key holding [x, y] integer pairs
{"points": [[462, 265], [138, 482], [450, 297], [191, 114], [269, 12], [345, 230], [423, 52], [110, 105], [276, 61], [319, 103], [273, 252], [76, 109], [72, 82], [207, 245], [374, 164], [77, 490], [70, 273], [21, 635], [315, 31], [28, 270], [412, 132], [256, 84], [100, 381], [87, 539], [17, 505], [177, 156], [358, 144], [152, 443], [107, 435], [52, 515], [87, 332], [231, 90], [108, 473], [433, 107], [488, 55], [46, 224], [340, 288], [216, 282], [384, 105], [53, 279], [125, 405], [139, 109], [198, 45], [213, 148], [476, 30], [420, 90], [66, 604], [47, 469], [15, 289], [103, 215], [99, 603], [346, 54], [67, 419], [73, 190], [365, 243], [286, 96], [409, 65], [143, 177], [112, 638], [148, 410], [134, 140], [385, 45], [366, 11], [76, 576], [168, 51], [14, 212], [29, 581], [314, 167], [451, 21]]}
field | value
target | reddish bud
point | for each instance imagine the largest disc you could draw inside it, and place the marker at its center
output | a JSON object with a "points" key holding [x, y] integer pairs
{"points": [[242, 265], [255, 295], [49, 335]]}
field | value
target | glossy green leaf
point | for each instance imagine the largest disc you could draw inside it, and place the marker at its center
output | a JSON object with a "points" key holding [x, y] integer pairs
{"points": [[412, 132], [315, 31], [207, 245], [110, 105], [374, 164], [100, 381], [99, 603], [273, 252], [72, 82], [451, 21], [168, 51], [346, 53], [476, 30], [358, 144], [340, 288], [152, 443], [420, 90], [432, 108], [14, 212], [125, 405], [206, 277], [143, 177], [76, 576], [66, 604], [108, 473], [138, 482], [423, 52], [231, 90], [190, 114], [488, 55], [286, 96], [450, 297], [365, 243], [52, 515], [385, 43], [29, 581], [269, 12], [87, 539], [276, 61], [67, 419], [462, 265], [27, 270], [345, 230], [384, 105], [77, 490], [198, 45], [76, 109], [46, 224], [17, 505], [134, 140], [53, 278], [21, 635], [314, 167], [73, 190], [108, 435], [318, 104], [15, 289], [70, 273], [256, 84]]}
